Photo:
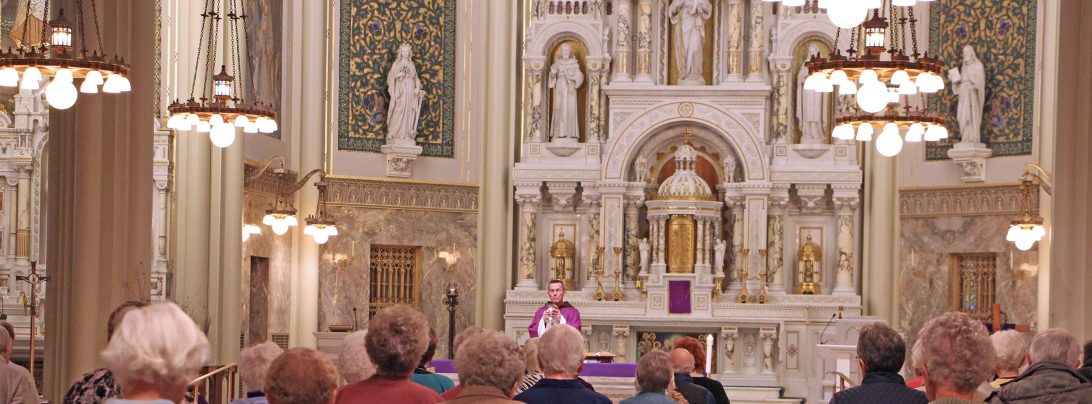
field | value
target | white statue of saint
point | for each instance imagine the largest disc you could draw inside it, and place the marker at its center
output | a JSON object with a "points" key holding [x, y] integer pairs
{"points": [[812, 108], [643, 247], [565, 78], [972, 95], [689, 17], [640, 168], [406, 97], [718, 256], [729, 164]]}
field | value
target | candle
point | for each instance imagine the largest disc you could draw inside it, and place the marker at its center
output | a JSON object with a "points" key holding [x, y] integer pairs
{"points": [[708, 353]]}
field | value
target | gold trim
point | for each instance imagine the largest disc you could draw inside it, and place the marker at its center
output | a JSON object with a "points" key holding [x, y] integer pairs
{"points": [[683, 198], [392, 207], [958, 187], [401, 181]]}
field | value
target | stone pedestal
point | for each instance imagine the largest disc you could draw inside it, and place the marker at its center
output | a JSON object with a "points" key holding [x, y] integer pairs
{"points": [[971, 159], [400, 159]]}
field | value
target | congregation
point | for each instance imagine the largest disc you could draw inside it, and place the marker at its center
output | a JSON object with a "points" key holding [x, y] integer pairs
{"points": [[155, 350]]}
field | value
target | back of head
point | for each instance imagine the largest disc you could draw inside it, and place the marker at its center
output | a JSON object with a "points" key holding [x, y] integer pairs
{"points": [[467, 333], [1056, 345], [957, 351], [1011, 347], [5, 342], [431, 350], [654, 371], [566, 348], [254, 363], [490, 359], [881, 348], [682, 361], [10, 329], [301, 376], [157, 344], [397, 337], [692, 345], [353, 363], [119, 313], [530, 356]]}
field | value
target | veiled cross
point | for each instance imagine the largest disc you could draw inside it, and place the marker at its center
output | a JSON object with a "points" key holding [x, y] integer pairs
{"points": [[33, 279]]}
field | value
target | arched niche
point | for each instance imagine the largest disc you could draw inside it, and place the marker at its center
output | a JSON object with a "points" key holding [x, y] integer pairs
{"points": [[580, 52], [636, 130], [800, 54], [659, 152]]}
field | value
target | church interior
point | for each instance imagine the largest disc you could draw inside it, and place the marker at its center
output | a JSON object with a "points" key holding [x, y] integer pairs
{"points": [[764, 176]]}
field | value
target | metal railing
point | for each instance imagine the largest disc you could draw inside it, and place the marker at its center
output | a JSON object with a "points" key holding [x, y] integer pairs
{"points": [[219, 386]]}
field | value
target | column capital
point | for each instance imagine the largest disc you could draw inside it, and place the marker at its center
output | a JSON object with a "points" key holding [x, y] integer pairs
{"points": [[635, 201], [729, 332]]}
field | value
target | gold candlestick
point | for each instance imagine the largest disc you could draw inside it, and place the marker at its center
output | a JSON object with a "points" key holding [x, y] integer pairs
{"points": [[763, 297], [600, 292], [744, 297], [616, 293]]}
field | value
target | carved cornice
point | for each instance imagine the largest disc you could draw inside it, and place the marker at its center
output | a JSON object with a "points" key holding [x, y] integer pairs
{"points": [[269, 183], [965, 200], [411, 195]]}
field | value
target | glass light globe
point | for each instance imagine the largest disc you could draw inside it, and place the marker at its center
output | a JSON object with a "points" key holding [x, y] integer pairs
{"points": [[251, 128], [813, 79], [942, 131], [793, 3], [826, 86], [847, 14], [868, 76], [915, 132], [126, 86], [892, 96], [924, 83], [1038, 232], [222, 135], [94, 76], [112, 84], [174, 121], [864, 132], [1013, 233], [872, 97], [216, 119], [63, 74], [938, 82], [838, 77], [320, 237], [9, 77], [842, 132], [31, 77], [903, 3], [900, 76], [847, 88], [193, 119], [889, 143], [280, 227], [873, 3], [331, 230], [61, 94], [203, 127], [292, 221], [908, 88], [267, 126], [88, 87], [241, 121], [1024, 244]]}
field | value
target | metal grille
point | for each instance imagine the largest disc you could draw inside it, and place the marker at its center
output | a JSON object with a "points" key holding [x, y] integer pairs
{"points": [[974, 280], [394, 276], [281, 340]]}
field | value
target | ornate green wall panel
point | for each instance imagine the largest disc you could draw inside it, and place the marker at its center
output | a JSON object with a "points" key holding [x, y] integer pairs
{"points": [[371, 31], [1002, 33]]}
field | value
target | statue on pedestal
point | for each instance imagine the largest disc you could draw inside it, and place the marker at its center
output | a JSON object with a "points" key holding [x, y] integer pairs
{"points": [[689, 17], [972, 95], [565, 78], [812, 108], [718, 256], [643, 247], [809, 267], [563, 251], [406, 96]]}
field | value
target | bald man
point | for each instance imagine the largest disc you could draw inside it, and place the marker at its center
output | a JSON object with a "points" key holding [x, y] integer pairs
{"points": [[683, 362]]}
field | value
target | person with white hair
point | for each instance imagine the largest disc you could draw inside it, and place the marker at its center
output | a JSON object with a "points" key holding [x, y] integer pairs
{"points": [[489, 366], [654, 375], [16, 384], [154, 353], [561, 356], [532, 372], [1052, 376], [301, 376], [353, 363], [464, 336], [98, 385], [253, 364], [683, 363], [958, 356], [1012, 348], [397, 337]]}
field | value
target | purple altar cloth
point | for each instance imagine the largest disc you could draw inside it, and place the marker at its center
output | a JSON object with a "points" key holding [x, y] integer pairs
{"points": [[590, 369], [678, 297]]}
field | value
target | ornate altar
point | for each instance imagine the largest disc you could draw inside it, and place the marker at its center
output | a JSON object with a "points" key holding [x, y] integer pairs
{"points": [[563, 251], [809, 268]]}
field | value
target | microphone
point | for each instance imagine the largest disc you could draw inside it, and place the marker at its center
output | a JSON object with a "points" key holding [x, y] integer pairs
{"points": [[832, 316]]}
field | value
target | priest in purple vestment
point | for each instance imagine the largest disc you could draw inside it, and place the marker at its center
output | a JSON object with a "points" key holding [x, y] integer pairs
{"points": [[556, 311]]}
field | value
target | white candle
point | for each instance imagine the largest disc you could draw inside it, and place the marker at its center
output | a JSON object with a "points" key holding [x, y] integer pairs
{"points": [[708, 353]]}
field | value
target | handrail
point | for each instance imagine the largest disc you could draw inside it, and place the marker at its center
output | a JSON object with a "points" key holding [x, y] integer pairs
{"points": [[210, 374], [219, 386]]}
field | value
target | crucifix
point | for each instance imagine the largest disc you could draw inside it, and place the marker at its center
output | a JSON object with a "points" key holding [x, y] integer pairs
{"points": [[32, 279]]}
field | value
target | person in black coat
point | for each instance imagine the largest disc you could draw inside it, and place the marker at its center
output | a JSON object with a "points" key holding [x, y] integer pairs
{"points": [[692, 345], [880, 354], [1086, 367]]}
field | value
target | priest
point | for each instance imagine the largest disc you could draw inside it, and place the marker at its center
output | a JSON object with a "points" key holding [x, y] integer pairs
{"points": [[556, 311]]}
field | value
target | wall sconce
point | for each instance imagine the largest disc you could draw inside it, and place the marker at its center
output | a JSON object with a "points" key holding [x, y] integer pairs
{"points": [[250, 229], [281, 215], [450, 257], [1028, 228]]}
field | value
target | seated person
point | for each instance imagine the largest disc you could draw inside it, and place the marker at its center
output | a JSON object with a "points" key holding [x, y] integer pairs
{"points": [[880, 355], [654, 374], [301, 376], [561, 356], [1052, 376], [683, 364], [421, 375]]}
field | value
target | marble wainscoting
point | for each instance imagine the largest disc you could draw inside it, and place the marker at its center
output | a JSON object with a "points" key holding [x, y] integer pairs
{"points": [[346, 284], [274, 284], [929, 237]]}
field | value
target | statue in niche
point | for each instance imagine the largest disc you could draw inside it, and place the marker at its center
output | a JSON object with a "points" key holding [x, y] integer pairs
{"points": [[689, 17], [640, 168], [971, 90], [812, 107], [565, 78], [406, 97], [718, 256], [644, 247], [729, 163], [809, 271]]}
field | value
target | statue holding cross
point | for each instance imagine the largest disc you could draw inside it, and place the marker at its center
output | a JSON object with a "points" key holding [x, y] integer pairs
{"points": [[33, 279]]}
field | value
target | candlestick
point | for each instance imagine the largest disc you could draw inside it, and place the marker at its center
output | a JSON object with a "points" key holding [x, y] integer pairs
{"points": [[708, 353]]}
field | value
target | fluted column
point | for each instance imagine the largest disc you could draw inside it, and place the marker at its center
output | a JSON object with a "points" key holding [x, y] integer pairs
{"points": [[700, 228], [846, 210], [758, 38], [533, 96], [623, 41], [633, 257], [22, 216], [735, 40], [528, 228], [735, 276], [775, 242], [644, 41]]}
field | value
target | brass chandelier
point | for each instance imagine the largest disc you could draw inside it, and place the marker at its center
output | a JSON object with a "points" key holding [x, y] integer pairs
{"points": [[58, 60], [847, 13], [879, 69], [226, 110]]}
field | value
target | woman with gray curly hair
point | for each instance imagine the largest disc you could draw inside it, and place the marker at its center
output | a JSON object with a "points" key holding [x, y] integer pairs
{"points": [[353, 363], [1012, 348], [397, 337], [490, 364], [253, 364], [958, 357], [154, 353]]}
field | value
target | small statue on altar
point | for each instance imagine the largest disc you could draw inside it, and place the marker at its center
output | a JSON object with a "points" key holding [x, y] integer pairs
{"points": [[718, 257], [563, 252], [644, 248], [809, 267]]}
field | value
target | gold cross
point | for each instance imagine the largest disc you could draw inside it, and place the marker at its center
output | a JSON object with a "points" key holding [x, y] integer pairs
{"points": [[686, 135], [33, 279]]}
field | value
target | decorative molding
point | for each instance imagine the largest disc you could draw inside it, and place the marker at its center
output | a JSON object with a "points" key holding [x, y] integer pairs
{"points": [[968, 200], [432, 196], [268, 184]]}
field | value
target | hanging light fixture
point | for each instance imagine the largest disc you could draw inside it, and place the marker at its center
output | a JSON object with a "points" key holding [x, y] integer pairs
{"points": [[1027, 228], [281, 215], [220, 115], [879, 70], [321, 226], [846, 13], [249, 230], [29, 63]]}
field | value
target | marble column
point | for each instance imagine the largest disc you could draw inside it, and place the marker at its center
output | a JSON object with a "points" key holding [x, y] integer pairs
{"points": [[735, 40], [846, 210], [528, 228], [644, 41], [22, 216], [769, 337], [880, 250], [782, 101], [533, 97], [735, 281], [99, 205], [621, 334], [661, 237], [775, 243], [595, 101], [729, 336], [632, 253], [700, 253], [224, 293], [623, 41], [758, 38], [161, 212], [9, 212]]}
